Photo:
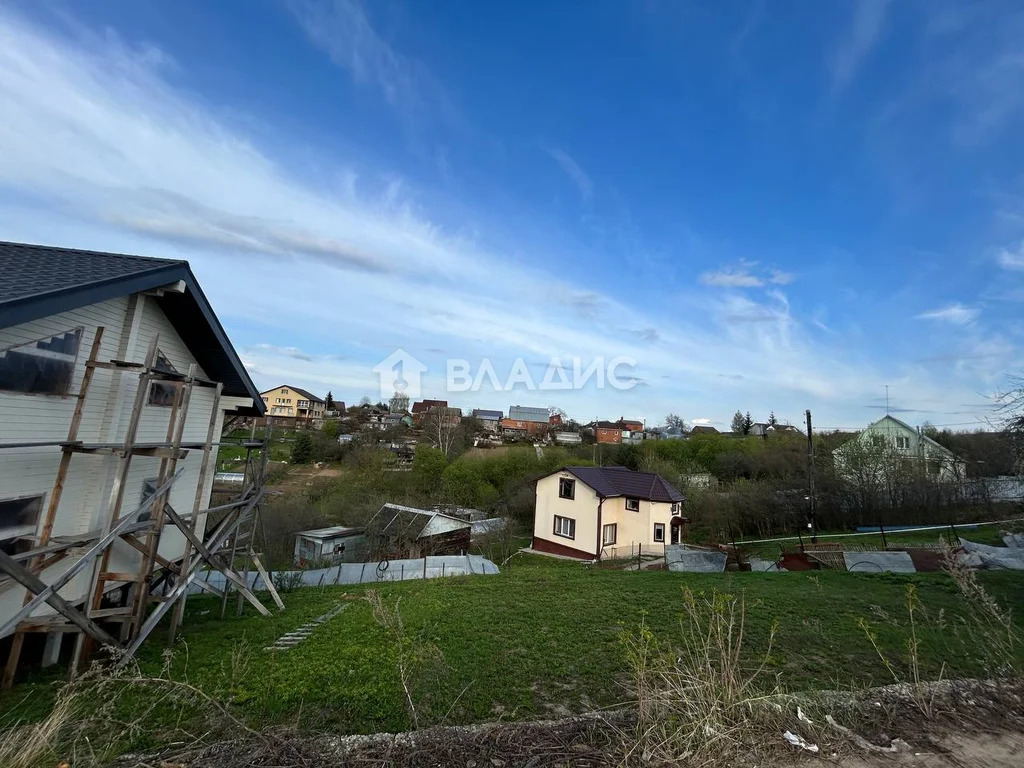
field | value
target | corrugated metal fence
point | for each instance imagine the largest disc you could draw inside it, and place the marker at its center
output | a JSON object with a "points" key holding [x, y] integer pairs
{"points": [[432, 567]]}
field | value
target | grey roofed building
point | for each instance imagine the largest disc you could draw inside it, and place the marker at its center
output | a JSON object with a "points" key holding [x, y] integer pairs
{"points": [[527, 413], [621, 481], [485, 415], [42, 280]]}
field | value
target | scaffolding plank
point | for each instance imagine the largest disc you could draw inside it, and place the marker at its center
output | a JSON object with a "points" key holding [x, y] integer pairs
{"points": [[62, 606]]}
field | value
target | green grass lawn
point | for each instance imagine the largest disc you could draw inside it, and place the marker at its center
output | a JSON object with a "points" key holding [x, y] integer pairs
{"points": [[543, 638]]}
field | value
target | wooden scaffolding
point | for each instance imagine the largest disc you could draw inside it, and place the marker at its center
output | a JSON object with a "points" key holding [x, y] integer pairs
{"points": [[144, 596]]}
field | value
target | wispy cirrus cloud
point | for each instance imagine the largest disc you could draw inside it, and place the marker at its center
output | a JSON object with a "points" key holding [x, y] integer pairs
{"points": [[575, 173], [1012, 259], [102, 151], [344, 31], [746, 275], [956, 313], [850, 53]]}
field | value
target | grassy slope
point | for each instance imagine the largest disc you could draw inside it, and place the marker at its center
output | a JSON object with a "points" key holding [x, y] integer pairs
{"points": [[541, 637], [983, 534]]}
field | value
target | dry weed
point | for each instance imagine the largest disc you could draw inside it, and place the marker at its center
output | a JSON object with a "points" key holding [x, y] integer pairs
{"points": [[698, 701]]}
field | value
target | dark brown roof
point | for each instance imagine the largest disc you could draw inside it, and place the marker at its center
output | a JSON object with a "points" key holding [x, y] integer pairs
{"points": [[425, 405], [620, 481]]}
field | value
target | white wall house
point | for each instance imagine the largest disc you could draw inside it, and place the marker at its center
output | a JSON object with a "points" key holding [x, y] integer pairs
{"points": [[605, 512], [53, 303], [890, 445]]}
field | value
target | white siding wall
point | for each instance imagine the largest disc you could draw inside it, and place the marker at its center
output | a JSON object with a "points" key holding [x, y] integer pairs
{"points": [[130, 324]]}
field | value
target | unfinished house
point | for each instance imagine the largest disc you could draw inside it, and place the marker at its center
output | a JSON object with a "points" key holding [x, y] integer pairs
{"points": [[115, 378]]}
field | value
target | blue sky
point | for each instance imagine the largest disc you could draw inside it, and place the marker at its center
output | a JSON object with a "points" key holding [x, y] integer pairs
{"points": [[768, 206]]}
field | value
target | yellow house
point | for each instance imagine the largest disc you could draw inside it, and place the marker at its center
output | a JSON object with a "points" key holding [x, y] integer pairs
{"points": [[294, 402], [595, 512]]}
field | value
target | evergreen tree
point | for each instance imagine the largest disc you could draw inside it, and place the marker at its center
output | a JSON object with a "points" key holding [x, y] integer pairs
{"points": [[772, 421], [329, 402], [748, 424], [302, 448], [738, 423]]}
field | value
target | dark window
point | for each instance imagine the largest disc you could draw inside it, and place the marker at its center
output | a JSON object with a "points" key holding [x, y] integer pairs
{"points": [[163, 392], [148, 488], [43, 367], [566, 488], [18, 517], [675, 508], [565, 526], [610, 532], [659, 531], [633, 505]]}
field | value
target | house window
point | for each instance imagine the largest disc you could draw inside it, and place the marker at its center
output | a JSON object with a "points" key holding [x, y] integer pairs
{"points": [[632, 505], [43, 367], [659, 532], [902, 442], [675, 508], [163, 392], [566, 488], [148, 489], [18, 517], [610, 532], [565, 526], [284, 391]]}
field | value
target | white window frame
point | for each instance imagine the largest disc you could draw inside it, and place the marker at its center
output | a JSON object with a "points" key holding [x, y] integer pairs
{"points": [[562, 524], [614, 531], [635, 507], [659, 528], [903, 442]]}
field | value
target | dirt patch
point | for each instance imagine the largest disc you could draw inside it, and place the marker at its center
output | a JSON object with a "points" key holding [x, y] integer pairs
{"points": [[966, 724]]}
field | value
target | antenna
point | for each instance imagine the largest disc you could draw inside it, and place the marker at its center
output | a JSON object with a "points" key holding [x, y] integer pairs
{"points": [[886, 399]]}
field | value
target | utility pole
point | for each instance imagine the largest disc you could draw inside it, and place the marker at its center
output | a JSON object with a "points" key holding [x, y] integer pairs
{"points": [[810, 480]]}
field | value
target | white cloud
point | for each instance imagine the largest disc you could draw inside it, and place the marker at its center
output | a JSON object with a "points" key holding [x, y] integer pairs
{"points": [[957, 314], [850, 53], [99, 151], [575, 173], [1012, 260], [745, 276], [343, 30]]}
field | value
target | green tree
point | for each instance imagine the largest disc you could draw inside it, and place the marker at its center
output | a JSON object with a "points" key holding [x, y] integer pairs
{"points": [[772, 421], [302, 448], [329, 402], [428, 466], [738, 423], [748, 424], [331, 429]]}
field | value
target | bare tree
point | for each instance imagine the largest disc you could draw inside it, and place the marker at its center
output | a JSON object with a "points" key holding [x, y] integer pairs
{"points": [[443, 428], [1010, 409], [399, 403], [675, 422]]}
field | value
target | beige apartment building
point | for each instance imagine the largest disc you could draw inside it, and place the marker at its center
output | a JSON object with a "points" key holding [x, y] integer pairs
{"points": [[605, 512], [293, 402]]}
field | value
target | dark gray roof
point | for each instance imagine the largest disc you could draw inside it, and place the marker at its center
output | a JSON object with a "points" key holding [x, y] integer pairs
{"points": [[41, 280], [484, 414], [620, 481], [305, 393]]}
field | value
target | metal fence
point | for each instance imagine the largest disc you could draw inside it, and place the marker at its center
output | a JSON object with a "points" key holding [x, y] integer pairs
{"points": [[431, 567]]}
